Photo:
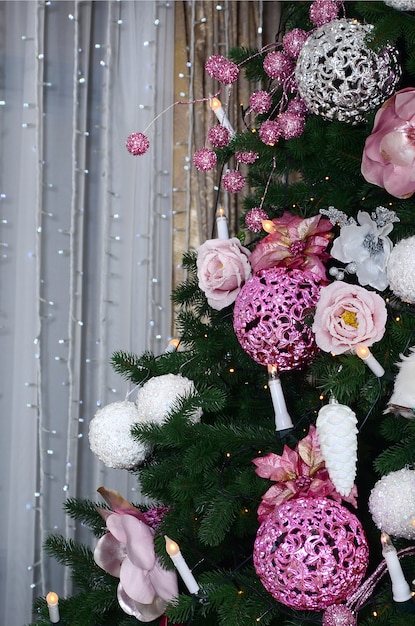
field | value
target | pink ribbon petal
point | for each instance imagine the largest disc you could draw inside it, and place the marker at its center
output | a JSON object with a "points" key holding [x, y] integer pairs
{"points": [[137, 582], [164, 582], [142, 612], [109, 554], [398, 148]]}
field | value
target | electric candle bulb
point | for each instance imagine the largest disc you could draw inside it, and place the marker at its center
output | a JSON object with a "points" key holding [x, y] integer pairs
{"points": [[52, 600], [216, 106], [365, 354], [400, 589], [174, 553], [172, 345], [269, 226], [282, 417], [222, 224]]}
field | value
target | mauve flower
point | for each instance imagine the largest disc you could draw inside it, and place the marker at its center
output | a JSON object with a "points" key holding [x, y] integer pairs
{"points": [[296, 242], [389, 153], [222, 269], [127, 552], [297, 473], [346, 316]]}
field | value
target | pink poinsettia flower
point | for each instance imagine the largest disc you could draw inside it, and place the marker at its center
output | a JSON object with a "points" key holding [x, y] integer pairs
{"points": [[388, 159], [297, 473], [295, 242], [127, 552]]}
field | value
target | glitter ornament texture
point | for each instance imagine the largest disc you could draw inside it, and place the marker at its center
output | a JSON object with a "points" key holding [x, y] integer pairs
{"points": [[278, 65], [233, 181], [270, 315], [293, 41], [110, 436], [137, 144], [323, 11], [159, 394], [254, 219], [339, 78], [291, 125], [260, 102], [246, 157], [270, 132], [219, 136], [204, 159], [401, 269], [337, 435], [338, 615], [401, 5], [402, 400], [310, 553], [219, 67], [392, 504]]}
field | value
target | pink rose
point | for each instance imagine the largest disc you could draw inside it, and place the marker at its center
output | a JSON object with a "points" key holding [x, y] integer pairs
{"points": [[389, 153], [222, 268], [347, 315]]}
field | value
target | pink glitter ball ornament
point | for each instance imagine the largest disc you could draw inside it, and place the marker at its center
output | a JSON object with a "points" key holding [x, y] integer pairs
{"points": [[260, 102], [219, 67], [219, 136], [297, 105], [278, 65], [270, 132], [254, 219], [339, 615], [204, 159], [291, 125], [233, 181], [269, 317], [137, 144], [324, 11], [311, 553], [293, 41], [246, 157]]}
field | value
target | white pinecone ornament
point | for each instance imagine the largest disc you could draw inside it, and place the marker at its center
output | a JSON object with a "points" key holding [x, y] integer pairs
{"points": [[337, 435]]}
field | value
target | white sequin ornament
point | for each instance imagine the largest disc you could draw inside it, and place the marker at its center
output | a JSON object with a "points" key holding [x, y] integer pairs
{"points": [[401, 269], [392, 504], [401, 5], [110, 436], [337, 436], [159, 394], [402, 401], [339, 77]]}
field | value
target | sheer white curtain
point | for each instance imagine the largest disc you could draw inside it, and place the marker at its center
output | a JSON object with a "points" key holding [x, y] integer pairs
{"points": [[85, 254]]}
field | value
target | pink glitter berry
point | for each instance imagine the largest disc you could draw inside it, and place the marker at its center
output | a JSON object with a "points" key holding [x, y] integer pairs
{"points": [[339, 615], [204, 159], [233, 181], [260, 102], [246, 157], [219, 67], [323, 11], [293, 41], [310, 553], [278, 65], [291, 125], [137, 144], [219, 136], [298, 106], [254, 219], [270, 132]]}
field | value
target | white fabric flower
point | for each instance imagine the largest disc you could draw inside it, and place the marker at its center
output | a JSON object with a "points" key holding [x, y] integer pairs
{"points": [[368, 247]]}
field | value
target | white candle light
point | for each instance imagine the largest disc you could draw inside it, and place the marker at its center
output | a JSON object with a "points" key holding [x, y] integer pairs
{"points": [[400, 589], [222, 224], [365, 354], [180, 564], [52, 600], [173, 345], [282, 417], [216, 106]]}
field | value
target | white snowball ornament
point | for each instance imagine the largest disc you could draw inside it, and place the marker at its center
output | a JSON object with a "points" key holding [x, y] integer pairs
{"points": [[110, 436], [401, 5], [401, 269], [337, 436], [402, 401], [339, 77], [392, 504], [158, 395]]}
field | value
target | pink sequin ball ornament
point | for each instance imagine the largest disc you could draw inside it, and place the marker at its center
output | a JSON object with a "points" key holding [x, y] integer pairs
{"points": [[270, 313], [246, 157], [339, 615], [219, 136], [293, 41], [310, 553], [270, 132], [260, 102], [297, 105], [137, 144], [254, 219], [291, 125], [233, 181], [204, 159], [219, 67], [323, 11], [278, 65]]}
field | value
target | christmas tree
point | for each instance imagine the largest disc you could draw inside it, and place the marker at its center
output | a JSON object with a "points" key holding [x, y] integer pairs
{"points": [[275, 436]]}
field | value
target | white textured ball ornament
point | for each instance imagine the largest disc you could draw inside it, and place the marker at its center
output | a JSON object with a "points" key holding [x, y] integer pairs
{"points": [[156, 397], [401, 5], [339, 77], [401, 269], [110, 436], [402, 401], [392, 504], [337, 436]]}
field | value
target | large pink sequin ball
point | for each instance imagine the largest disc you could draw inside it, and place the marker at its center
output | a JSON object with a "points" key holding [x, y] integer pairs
{"points": [[270, 317], [311, 553]]}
